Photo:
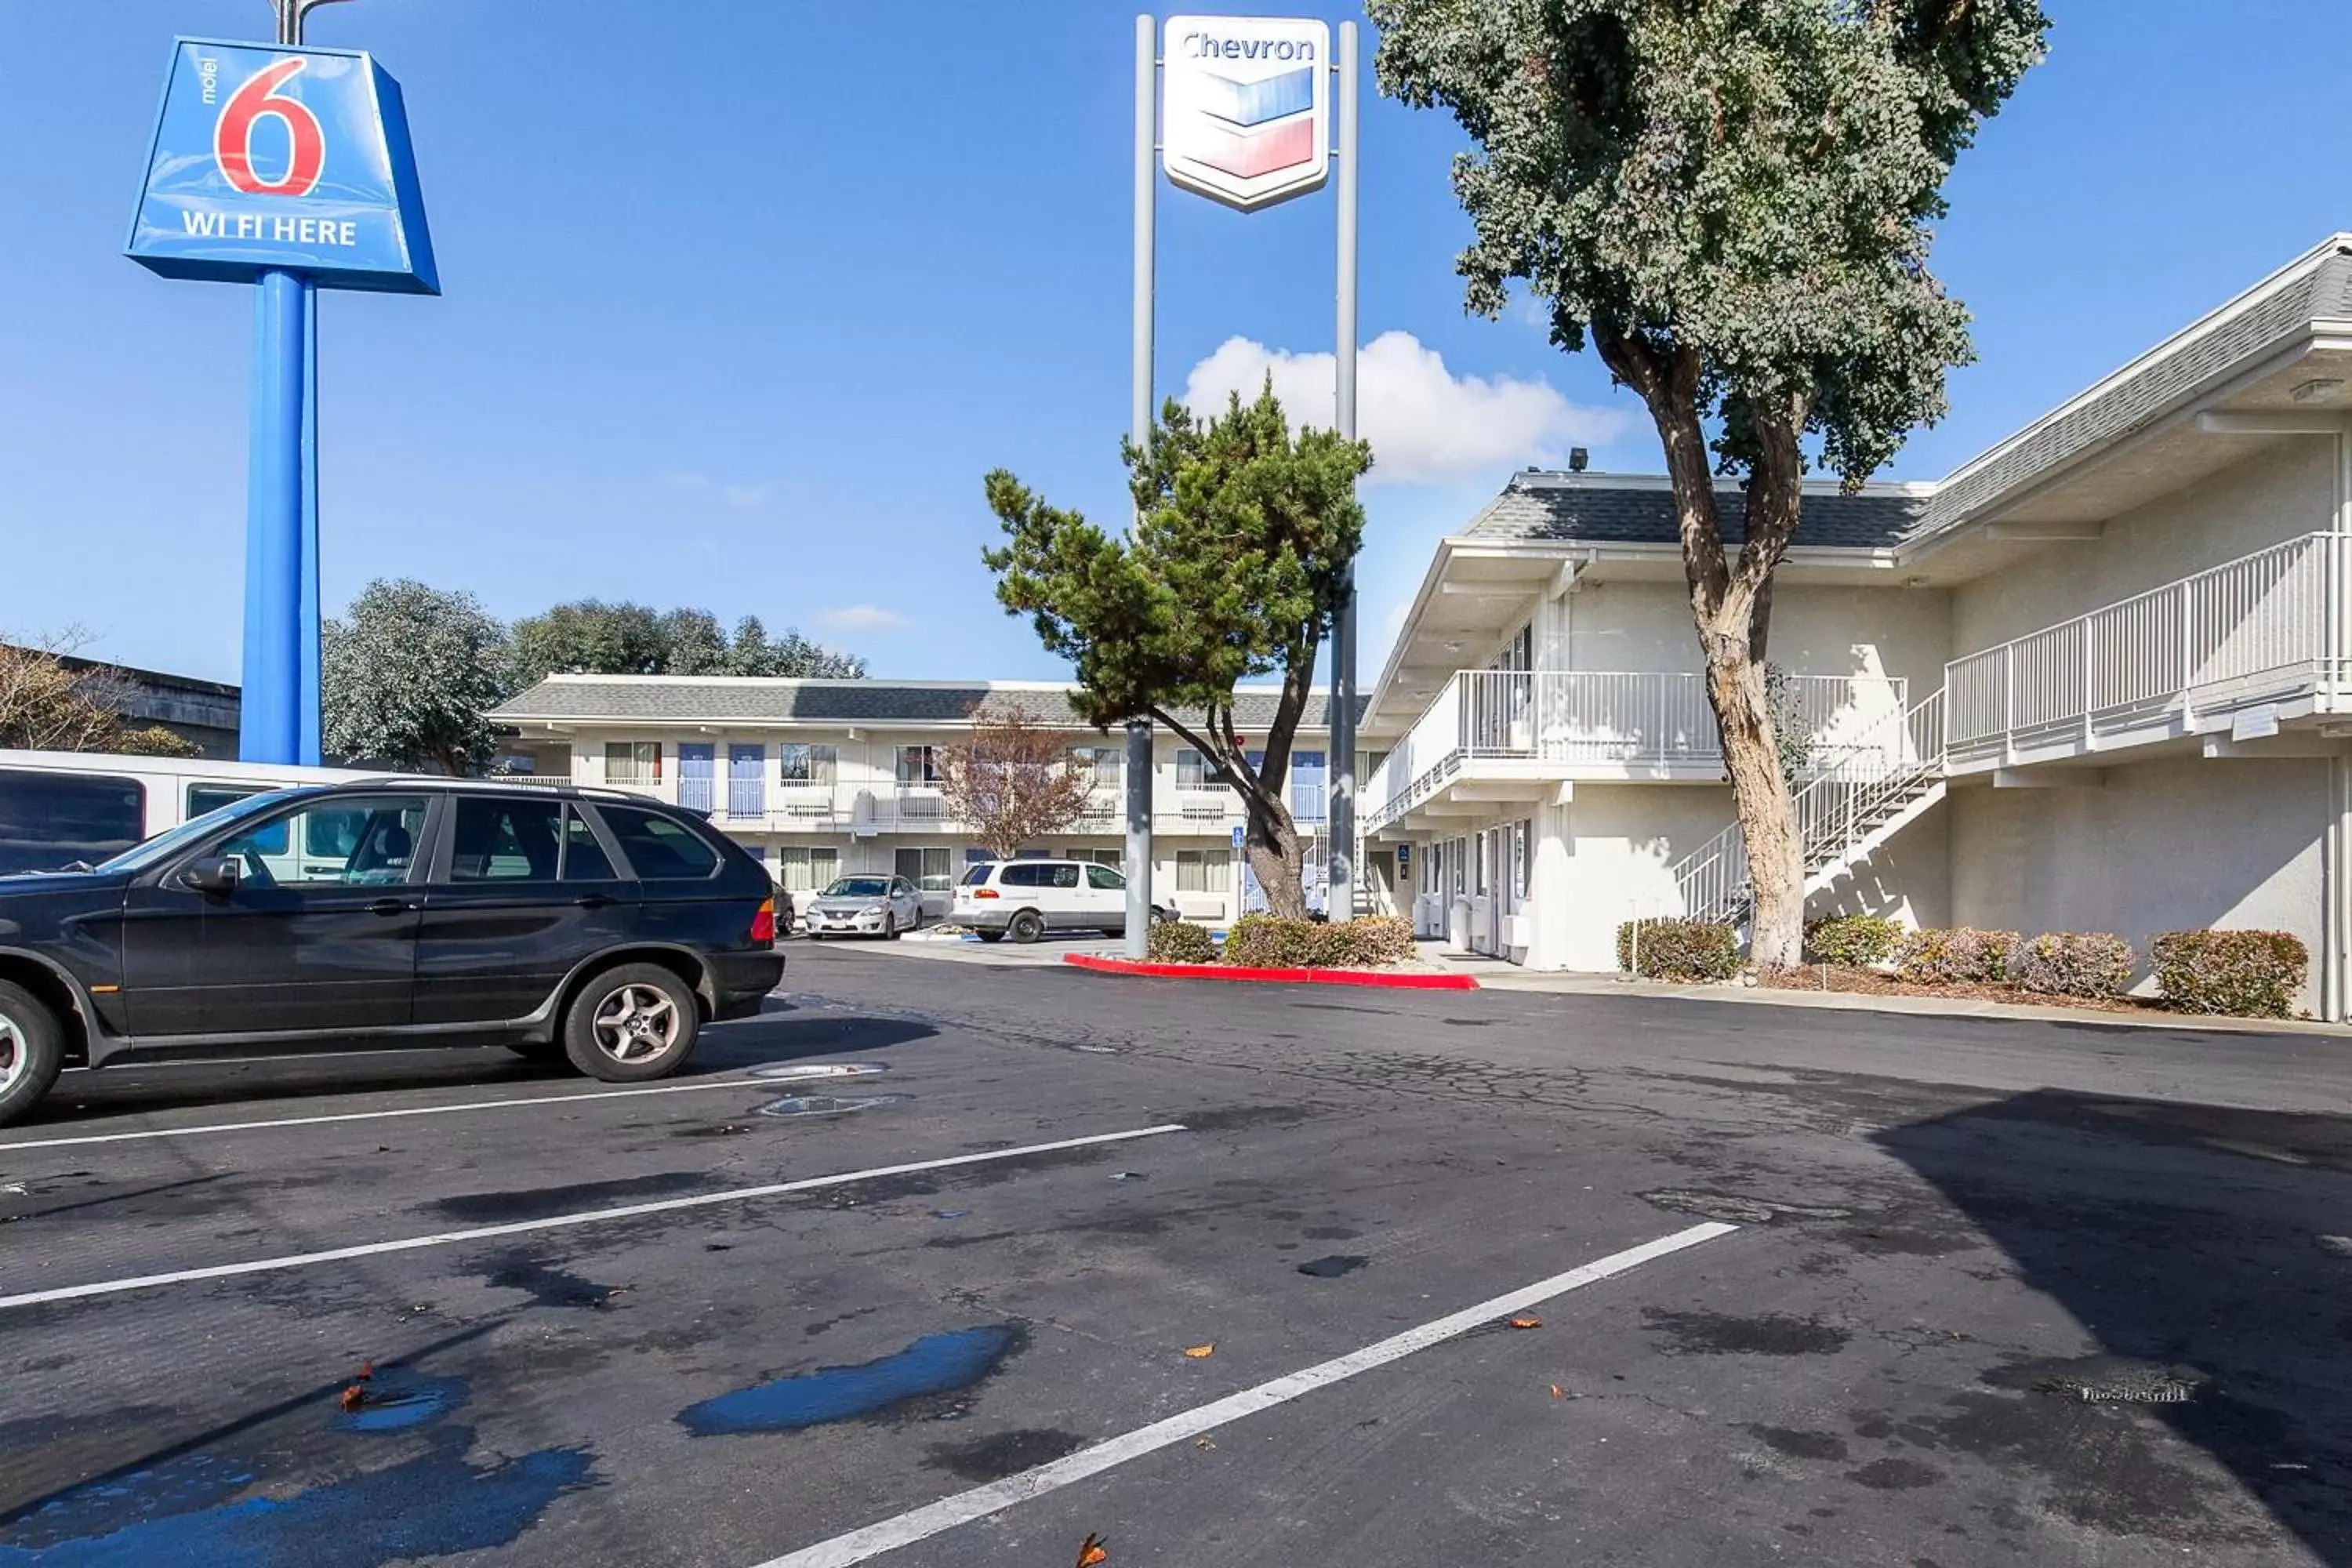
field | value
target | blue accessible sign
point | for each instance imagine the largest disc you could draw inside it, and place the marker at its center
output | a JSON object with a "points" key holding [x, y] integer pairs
{"points": [[271, 159]]}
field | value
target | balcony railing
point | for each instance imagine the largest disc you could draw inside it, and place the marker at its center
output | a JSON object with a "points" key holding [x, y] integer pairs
{"points": [[2261, 629], [1602, 719]]}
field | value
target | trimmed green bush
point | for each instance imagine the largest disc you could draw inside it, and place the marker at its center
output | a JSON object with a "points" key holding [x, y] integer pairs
{"points": [[1179, 941], [2075, 964], [1263, 941], [1852, 939], [1680, 948], [2250, 973], [1960, 956]]}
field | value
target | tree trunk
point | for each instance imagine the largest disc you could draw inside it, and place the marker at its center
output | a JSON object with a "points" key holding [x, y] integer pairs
{"points": [[1759, 797], [1731, 609], [1271, 845]]}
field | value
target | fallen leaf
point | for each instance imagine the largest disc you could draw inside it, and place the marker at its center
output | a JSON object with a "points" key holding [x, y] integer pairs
{"points": [[1093, 1553], [1201, 1353], [1526, 1321], [367, 1369], [1558, 1391], [354, 1396], [1204, 1443]]}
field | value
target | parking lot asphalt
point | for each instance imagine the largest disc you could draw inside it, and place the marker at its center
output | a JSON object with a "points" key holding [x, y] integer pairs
{"points": [[1869, 1289]]}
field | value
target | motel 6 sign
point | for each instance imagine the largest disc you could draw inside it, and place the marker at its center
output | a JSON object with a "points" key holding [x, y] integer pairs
{"points": [[282, 159], [1247, 104]]}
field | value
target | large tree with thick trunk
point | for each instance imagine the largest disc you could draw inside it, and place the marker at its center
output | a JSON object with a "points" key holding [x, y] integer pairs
{"points": [[1233, 569], [1730, 201]]}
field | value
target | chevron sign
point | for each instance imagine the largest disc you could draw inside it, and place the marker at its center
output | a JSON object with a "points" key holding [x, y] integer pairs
{"points": [[1247, 103]]}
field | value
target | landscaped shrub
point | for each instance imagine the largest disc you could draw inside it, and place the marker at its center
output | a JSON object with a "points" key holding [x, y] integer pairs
{"points": [[1852, 939], [1179, 941], [1956, 957], [1263, 941], [1679, 949], [2075, 964], [2253, 973]]}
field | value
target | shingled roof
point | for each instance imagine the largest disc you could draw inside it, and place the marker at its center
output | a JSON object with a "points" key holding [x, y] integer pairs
{"points": [[688, 699], [1627, 509]]}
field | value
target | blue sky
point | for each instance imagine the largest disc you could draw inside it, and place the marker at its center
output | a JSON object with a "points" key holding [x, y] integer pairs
{"points": [[739, 316]]}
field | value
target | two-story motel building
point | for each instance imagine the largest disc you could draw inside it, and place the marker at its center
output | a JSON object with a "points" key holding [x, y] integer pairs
{"points": [[2099, 679], [820, 778], [2096, 679]]}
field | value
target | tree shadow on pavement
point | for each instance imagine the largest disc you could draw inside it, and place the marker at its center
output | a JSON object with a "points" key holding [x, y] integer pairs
{"points": [[2201, 1249]]}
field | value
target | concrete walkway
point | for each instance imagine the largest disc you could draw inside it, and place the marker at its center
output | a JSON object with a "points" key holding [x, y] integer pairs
{"points": [[1498, 975]]}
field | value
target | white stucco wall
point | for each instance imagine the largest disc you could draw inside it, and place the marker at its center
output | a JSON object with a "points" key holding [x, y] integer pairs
{"points": [[2163, 846], [1907, 878], [1889, 631], [1622, 840], [2286, 489]]}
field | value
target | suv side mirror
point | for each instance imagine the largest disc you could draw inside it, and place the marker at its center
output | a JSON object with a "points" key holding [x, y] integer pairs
{"points": [[213, 874]]}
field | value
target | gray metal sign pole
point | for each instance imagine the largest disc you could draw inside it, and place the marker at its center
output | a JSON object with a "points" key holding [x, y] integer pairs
{"points": [[1138, 771], [1340, 899]]}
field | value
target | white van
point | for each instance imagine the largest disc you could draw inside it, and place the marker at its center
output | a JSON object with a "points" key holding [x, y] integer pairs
{"points": [[1025, 898], [60, 808]]}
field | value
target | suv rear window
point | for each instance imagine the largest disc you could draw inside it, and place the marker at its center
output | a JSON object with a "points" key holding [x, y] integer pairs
{"points": [[49, 821], [660, 849], [976, 876]]}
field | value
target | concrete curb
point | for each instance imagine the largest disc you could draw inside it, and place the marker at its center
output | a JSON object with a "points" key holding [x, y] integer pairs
{"points": [[1375, 978]]}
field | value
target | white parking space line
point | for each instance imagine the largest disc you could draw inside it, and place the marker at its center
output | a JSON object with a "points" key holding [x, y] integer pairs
{"points": [[697, 1087], [559, 1221], [860, 1545]]}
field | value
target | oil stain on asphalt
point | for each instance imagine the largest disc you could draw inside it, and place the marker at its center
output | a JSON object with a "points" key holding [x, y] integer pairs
{"points": [[934, 1366], [192, 1508]]}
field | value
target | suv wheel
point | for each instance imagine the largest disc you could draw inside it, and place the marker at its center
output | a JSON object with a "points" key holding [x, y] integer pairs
{"points": [[32, 1050], [1026, 926], [631, 1023]]}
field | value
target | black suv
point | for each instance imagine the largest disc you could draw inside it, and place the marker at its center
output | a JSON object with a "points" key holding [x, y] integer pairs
{"points": [[582, 923]]}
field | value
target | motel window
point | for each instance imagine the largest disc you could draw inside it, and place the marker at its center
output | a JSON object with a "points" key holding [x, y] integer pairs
{"points": [[1519, 846], [1114, 858], [1192, 769], [806, 869], [633, 762], [918, 766], [1204, 870], [803, 764], [927, 868], [1105, 762]]}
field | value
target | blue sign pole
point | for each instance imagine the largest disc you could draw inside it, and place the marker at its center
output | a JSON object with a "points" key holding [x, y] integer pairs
{"points": [[270, 725], [310, 752]]}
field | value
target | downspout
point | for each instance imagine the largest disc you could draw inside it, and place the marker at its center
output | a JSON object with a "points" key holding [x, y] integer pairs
{"points": [[2336, 911]]}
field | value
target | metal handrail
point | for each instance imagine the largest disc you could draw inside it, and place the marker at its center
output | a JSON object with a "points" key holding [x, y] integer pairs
{"points": [[1891, 764]]}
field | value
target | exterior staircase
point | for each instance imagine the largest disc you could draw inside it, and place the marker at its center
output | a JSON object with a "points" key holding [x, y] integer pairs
{"points": [[1878, 786]]}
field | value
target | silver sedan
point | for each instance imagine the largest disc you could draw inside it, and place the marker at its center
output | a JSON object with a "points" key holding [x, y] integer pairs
{"points": [[864, 906]]}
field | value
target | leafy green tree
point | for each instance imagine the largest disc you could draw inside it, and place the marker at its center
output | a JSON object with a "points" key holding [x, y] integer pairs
{"points": [[590, 636], [1730, 201], [1233, 569], [790, 654], [409, 675]]}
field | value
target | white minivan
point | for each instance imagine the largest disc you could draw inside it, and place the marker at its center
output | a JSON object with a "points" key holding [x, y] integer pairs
{"points": [[58, 808], [1025, 898]]}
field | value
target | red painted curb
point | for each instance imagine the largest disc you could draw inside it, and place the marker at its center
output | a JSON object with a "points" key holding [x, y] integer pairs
{"points": [[1390, 981]]}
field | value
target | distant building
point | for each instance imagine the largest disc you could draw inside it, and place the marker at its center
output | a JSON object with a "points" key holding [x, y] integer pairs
{"points": [[204, 711]]}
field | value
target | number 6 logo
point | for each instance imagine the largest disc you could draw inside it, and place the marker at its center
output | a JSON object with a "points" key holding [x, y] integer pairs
{"points": [[233, 134]]}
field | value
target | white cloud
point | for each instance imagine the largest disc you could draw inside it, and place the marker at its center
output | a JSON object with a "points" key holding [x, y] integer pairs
{"points": [[743, 497], [861, 618], [1425, 423]]}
